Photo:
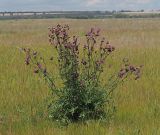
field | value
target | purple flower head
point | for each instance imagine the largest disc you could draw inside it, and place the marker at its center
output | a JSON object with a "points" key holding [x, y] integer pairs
{"points": [[122, 73], [64, 33], [27, 61], [39, 65], [109, 48], [132, 68]]}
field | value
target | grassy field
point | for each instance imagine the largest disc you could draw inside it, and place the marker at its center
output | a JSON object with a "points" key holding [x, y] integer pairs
{"points": [[23, 95]]}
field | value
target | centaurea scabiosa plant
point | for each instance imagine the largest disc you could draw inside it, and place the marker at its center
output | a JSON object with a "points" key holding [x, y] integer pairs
{"points": [[82, 97]]}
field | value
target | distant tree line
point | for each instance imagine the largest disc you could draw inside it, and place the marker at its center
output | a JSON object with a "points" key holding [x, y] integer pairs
{"points": [[77, 15]]}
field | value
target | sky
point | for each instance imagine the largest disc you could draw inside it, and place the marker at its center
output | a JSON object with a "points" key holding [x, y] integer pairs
{"points": [[78, 5]]}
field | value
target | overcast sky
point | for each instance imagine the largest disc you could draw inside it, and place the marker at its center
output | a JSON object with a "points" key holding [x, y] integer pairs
{"points": [[47, 5]]}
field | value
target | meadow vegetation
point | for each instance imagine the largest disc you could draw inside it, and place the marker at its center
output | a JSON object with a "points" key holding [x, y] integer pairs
{"points": [[23, 95]]}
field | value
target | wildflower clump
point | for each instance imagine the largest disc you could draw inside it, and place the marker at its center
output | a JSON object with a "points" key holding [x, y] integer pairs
{"points": [[82, 97]]}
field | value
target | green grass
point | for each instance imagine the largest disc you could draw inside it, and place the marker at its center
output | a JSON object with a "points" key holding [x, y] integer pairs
{"points": [[23, 95]]}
